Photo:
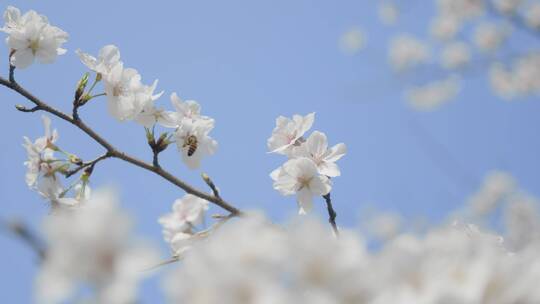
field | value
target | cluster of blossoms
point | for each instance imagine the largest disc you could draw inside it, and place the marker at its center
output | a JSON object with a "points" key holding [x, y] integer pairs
{"points": [[92, 247], [44, 168], [311, 163], [31, 36], [256, 262], [521, 78], [249, 260], [430, 96], [129, 99], [462, 33]]}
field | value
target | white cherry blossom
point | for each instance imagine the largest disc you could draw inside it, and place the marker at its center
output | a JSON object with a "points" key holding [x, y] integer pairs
{"points": [[193, 141], [121, 87], [40, 153], [316, 148], [108, 57], [300, 176], [186, 109], [288, 133], [148, 114], [31, 37]]}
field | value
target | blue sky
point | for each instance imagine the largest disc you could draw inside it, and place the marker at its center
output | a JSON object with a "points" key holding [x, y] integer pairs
{"points": [[247, 62]]}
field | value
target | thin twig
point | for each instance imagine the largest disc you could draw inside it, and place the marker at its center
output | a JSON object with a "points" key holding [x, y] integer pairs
{"points": [[331, 213], [155, 159], [27, 110], [87, 164], [210, 184], [113, 152], [11, 68]]}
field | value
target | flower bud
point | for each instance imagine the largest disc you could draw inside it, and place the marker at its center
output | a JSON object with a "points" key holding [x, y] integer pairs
{"points": [[74, 159], [81, 85], [150, 137], [163, 142]]}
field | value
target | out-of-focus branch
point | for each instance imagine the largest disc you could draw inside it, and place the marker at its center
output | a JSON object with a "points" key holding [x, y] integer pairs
{"points": [[112, 151], [24, 233]]}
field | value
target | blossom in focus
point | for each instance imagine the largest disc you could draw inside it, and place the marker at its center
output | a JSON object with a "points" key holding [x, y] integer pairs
{"points": [[92, 247], [300, 177], [30, 37], [288, 133], [193, 141], [316, 148], [41, 164], [188, 212], [148, 115], [122, 86], [108, 57], [43, 168], [189, 109]]}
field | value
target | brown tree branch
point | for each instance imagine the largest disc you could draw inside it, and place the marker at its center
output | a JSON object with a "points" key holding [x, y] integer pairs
{"points": [[115, 153]]}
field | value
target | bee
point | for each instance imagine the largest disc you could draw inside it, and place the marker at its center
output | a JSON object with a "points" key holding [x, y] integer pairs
{"points": [[191, 143]]}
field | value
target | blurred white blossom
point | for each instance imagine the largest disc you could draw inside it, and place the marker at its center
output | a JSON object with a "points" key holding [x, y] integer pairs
{"points": [[388, 13], [455, 55], [432, 95], [445, 27], [178, 226], [507, 7], [406, 52], [488, 37], [92, 247], [250, 260], [352, 41]]}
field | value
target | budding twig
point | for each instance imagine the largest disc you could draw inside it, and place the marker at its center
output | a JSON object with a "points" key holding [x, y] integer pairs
{"points": [[11, 68], [115, 153], [87, 164], [27, 110], [210, 184], [331, 213]]}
